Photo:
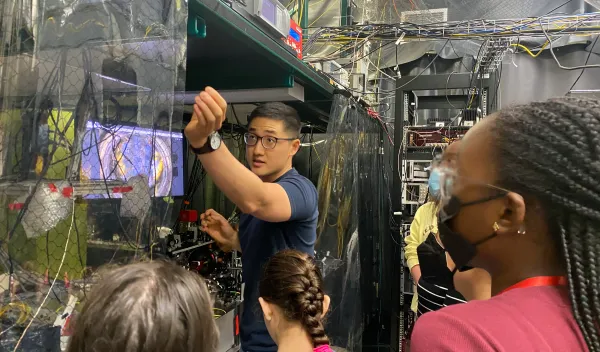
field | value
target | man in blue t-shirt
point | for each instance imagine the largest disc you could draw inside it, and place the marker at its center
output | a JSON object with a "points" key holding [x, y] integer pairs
{"points": [[279, 205]]}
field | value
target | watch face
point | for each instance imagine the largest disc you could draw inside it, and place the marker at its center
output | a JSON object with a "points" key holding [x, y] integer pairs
{"points": [[215, 141]]}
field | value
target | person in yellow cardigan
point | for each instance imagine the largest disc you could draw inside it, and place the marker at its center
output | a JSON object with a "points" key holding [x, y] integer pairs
{"points": [[424, 223], [472, 284]]}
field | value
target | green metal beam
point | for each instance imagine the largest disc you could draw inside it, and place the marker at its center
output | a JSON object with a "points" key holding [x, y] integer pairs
{"points": [[228, 51], [232, 74], [304, 20], [345, 13], [233, 27]]}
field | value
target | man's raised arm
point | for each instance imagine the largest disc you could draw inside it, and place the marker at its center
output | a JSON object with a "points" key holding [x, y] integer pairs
{"points": [[266, 201]]}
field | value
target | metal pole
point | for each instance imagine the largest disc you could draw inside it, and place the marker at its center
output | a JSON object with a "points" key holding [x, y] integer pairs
{"points": [[345, 13], [304, 19]]}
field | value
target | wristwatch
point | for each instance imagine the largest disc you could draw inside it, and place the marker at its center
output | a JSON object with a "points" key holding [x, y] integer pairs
{"points": [[212, 143]]}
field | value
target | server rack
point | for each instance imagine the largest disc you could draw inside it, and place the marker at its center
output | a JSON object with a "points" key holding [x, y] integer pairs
{"points": [[482, 89]]}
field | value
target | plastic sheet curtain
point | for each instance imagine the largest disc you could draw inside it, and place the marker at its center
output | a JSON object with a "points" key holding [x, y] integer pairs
{"points": [[354, 213], [91, 151]]}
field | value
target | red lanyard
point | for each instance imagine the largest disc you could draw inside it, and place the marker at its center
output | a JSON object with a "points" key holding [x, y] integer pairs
{"points": [[538, 281]]}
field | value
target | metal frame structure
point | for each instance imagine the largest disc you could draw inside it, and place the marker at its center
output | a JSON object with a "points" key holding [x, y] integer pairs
{"points": [[534, 27], [487, 87]]}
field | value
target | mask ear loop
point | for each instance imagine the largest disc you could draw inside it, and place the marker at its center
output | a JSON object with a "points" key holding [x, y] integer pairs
{"points": [[485, 239], [496, 227]]}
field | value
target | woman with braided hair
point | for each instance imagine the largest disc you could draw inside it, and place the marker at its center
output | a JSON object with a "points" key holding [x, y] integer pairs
{"points": [[523, 203], [293, 302]]}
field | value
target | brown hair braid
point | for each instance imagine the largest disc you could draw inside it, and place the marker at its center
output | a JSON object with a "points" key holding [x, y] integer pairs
{"points": [[293, 281]]}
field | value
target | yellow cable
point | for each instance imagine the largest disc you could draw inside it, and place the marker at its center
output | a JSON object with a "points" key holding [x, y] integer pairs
{"points": [[149, 28], [521, 46], [22, 307], [317, 153], [300, 12], [74, 28], [151, 249], [472, 98], [219, 309]]}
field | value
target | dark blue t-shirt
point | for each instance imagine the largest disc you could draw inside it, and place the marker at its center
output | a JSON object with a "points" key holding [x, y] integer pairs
{"points": [[261, 239]]}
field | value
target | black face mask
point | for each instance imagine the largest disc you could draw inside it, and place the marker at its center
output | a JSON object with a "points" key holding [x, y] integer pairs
{"points": [[460, 250]]}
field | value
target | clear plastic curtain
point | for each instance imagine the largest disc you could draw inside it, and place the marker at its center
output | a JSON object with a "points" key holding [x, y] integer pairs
{"points": [[354, 212], [90, 148]]}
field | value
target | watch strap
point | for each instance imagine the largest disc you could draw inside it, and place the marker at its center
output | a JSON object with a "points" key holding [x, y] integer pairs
{"points": [[203, 149], [206, 148]]}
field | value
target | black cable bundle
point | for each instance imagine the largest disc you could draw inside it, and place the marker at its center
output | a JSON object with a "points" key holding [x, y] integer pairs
{"points": [[196, 177], [195, 180]]}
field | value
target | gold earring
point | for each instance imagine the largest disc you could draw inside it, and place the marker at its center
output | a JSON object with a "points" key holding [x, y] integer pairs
{"points": [[496, 227]]}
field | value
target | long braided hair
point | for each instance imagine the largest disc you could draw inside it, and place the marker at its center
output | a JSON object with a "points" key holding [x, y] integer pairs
{"points": [[293, 281], [551, 151]]}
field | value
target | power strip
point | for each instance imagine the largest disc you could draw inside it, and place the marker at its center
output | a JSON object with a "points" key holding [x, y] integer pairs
{"points": [[437, 145]]}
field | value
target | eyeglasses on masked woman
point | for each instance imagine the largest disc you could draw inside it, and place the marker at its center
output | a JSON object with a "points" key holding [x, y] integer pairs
{"points": [[450, 183], [461, 250]]}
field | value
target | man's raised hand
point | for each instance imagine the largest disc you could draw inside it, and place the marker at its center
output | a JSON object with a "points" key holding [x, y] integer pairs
{"points": [[209, 113]]}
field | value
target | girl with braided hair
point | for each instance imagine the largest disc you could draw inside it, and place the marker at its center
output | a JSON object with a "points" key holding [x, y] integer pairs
{"points": [[293, 302], [523, 203]]}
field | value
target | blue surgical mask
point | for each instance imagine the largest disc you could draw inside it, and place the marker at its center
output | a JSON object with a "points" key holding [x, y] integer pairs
{"points": [[434, 183]]}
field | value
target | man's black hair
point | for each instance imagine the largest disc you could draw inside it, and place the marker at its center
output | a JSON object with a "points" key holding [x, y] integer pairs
{"points": [[279, 112]]}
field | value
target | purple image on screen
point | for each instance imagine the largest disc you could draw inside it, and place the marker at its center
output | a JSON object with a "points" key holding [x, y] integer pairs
{"points": [[122, 152], [268, 11]]}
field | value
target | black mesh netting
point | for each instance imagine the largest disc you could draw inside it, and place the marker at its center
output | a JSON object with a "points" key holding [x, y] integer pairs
{"points": [[89, 160], [354, 220]]}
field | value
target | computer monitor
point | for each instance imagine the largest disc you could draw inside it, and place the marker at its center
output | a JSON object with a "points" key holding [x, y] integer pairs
{"points": [[120, 152]]}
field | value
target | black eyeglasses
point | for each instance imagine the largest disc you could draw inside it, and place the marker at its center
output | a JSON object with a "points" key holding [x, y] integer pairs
{"points": [[267, 142]]}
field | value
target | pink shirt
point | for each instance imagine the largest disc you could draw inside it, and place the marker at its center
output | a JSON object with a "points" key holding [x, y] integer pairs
{"points": [[523, 319], [323, 348]]}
